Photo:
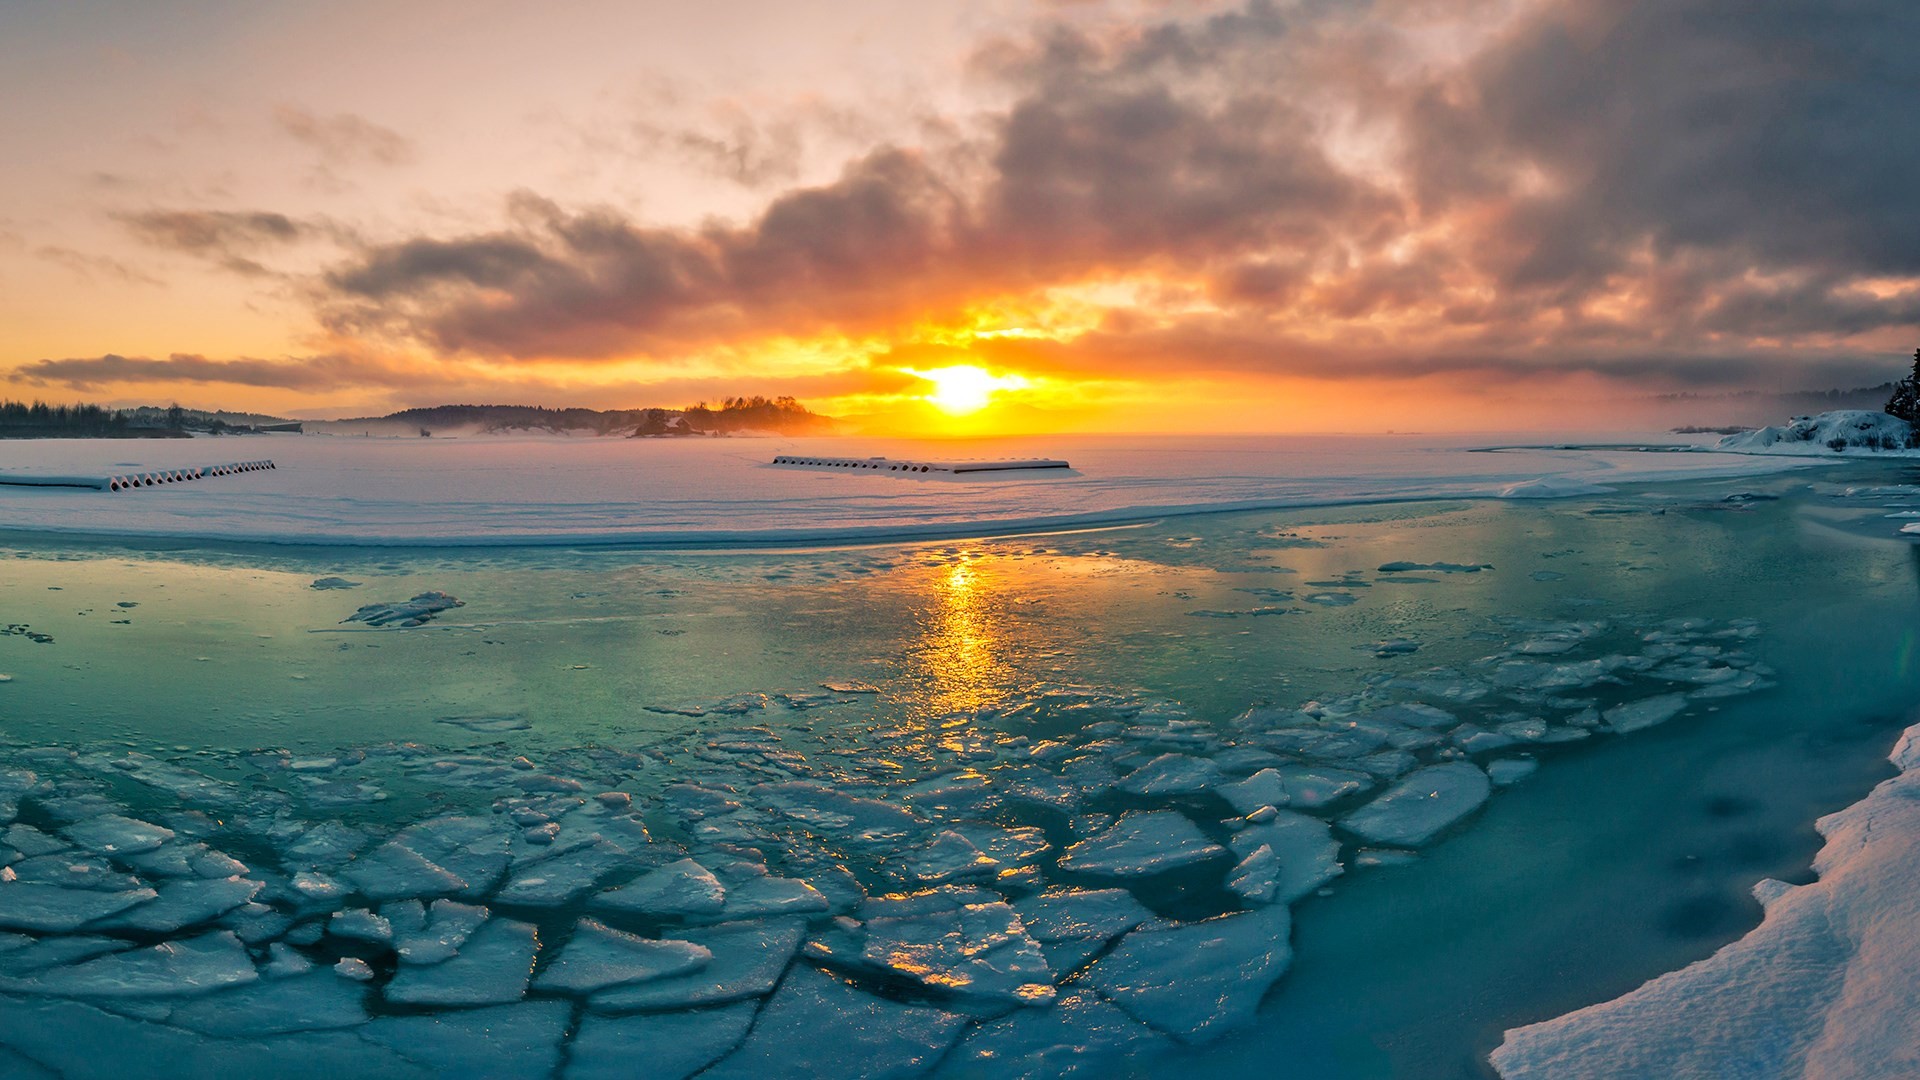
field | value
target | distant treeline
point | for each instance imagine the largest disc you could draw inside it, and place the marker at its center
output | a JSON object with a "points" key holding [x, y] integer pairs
{"points": [[782, 414], [39, 420]]}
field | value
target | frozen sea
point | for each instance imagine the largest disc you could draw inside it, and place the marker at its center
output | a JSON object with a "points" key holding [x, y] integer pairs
{"points": [[1316, 757]]}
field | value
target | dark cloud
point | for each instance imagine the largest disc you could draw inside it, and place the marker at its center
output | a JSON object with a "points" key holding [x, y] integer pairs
{"points": [[94, 267], [344, 138], [321, 372], [226, 238], [1685, 191]]}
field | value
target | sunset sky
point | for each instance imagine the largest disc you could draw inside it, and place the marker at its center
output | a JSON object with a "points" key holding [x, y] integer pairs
{"points": [[1133, 214]]}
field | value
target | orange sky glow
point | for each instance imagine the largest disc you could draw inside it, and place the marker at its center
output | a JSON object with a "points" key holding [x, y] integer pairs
{"points": [[1009, 216]]}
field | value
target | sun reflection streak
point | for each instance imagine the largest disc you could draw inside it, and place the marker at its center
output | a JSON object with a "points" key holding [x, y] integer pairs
{"points": [[963, 648]]}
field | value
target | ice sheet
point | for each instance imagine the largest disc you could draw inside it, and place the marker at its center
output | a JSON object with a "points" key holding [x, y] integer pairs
{"points": [[489, 491]]}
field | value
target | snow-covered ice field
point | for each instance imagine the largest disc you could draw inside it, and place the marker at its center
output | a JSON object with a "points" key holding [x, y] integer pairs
{"points": [[1352, 786], [534, 490]]}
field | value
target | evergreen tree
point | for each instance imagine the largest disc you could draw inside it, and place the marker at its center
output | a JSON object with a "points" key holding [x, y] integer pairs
{"points": [[1905, 402]]}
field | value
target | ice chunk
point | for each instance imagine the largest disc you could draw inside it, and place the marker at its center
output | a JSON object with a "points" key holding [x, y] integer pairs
{"points": [[53, 909], [1511, 770], [817, 1026], [504, 1043], [564, 876], [1312, 787], [394, 871], [678, 889], [115, 835], [470, 848], [30, 841], [1264, 788], [1078, 914], [1412, 811], [435, 933], [184, 903], [488, 725], [1081, 1035], [1305, 856], [748, 959], [414, 612], [656, 1046], [979, 952], [1171, 774], [772, 896], [1645, 713], [174, 969], [492, 968], [359, 924], [951, 857], [1141, 844], [1257, 877], [1196, 981], [314, 1001], [598, 957]]}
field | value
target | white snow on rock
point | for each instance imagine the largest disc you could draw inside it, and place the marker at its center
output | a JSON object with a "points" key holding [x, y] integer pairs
{"points": [[173, 969], [656, 1046], [1428, 800], [1645, 713], [598, 956], [678, 889], [748, 959], [816, 1026], [53, 909], [1142, 844], [492, 968], [1198, 980], [1828, 985], [1844, 431]]}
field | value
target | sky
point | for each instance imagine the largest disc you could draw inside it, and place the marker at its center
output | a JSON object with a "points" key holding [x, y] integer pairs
{"points": [[1085, 215]]}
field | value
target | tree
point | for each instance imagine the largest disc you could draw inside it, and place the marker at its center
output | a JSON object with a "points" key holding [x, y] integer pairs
{"points": [[1905, 401]]}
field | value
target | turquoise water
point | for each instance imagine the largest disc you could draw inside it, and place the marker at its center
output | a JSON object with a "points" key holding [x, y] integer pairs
{"points": [[1001, 691]]}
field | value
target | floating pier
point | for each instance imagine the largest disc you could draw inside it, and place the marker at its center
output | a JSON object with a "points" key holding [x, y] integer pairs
{"points": [[890, 465], [130, 481]]}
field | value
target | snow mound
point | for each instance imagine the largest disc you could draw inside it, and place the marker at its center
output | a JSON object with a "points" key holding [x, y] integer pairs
{"points": [[1827, 985], [1843, 431]]}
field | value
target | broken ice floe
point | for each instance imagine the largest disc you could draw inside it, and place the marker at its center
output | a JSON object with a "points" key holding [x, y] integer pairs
{"points": [[1009, 880], [415, 612]]}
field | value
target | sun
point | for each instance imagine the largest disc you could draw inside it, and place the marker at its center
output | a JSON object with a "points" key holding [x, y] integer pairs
{"points": [[964, 388]]}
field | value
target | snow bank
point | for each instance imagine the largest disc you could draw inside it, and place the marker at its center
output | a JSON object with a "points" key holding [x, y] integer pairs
{"points": [[1844, 431], [1827, 986], [723, 492]]}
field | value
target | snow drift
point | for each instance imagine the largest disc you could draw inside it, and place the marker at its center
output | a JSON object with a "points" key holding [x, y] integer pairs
{"points": [[1842, 431], [1827, 986]]}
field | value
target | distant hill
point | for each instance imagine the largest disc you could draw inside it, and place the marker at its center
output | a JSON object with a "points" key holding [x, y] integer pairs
{"points": [[782, 415]]}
